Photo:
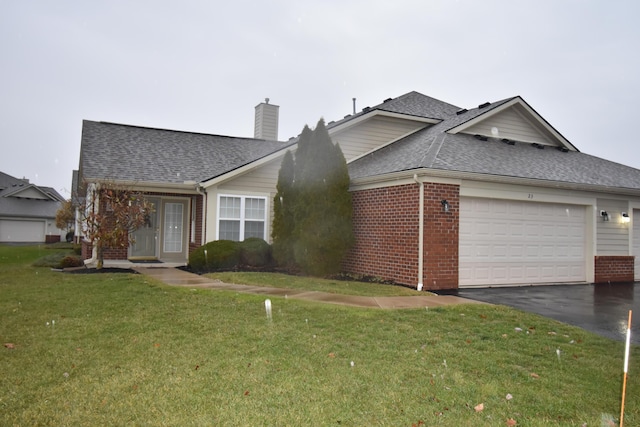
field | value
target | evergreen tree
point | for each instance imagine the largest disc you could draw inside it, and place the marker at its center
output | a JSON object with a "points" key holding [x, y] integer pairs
{"points": [[323, 209], [283, 204]]}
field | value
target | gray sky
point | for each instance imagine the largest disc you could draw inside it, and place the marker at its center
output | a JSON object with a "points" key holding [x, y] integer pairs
{"points": [[204, 65]]}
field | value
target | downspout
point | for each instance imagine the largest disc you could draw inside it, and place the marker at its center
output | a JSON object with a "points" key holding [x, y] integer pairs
{"points": [[420, 233], [94, 250]]}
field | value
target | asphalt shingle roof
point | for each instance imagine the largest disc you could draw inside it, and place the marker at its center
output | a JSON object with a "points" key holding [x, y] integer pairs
{"points": [[122, 152], [434, 148], [12, 205]]}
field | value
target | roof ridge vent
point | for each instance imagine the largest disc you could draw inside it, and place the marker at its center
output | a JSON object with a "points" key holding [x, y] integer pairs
{"points": [[480, 137], [365, 109], [464, 110], [538, 146], [387, 100], [485, 105]]}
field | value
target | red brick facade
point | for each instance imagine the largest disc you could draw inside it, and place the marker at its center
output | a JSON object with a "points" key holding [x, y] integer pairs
{"points": [[386, 228], [441, 236], [612, 269]]}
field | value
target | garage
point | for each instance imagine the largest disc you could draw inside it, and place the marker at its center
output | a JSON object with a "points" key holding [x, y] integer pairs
{"points": [[636, 243], [12, 230], [507, 242]]}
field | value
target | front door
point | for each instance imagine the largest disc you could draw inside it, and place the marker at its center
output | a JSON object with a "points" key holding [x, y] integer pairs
{"points": [[174, 230], [145, 237]]}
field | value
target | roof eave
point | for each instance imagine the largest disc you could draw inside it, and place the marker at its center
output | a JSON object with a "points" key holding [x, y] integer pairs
{"points": [[183, 187], [458, 176], [359, 118]]}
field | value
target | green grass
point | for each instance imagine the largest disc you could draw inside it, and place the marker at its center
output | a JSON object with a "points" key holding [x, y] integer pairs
{"points": [[278, 280], [127, 350]]}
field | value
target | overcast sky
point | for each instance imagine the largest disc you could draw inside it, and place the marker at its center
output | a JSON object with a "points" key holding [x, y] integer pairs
{"points": [[204, 65]]}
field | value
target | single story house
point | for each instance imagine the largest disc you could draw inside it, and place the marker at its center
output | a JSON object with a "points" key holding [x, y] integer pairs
{"points": [[444, 196], [28, 212]]}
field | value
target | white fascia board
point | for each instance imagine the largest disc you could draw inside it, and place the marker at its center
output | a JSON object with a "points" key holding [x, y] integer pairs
{"points": [[533, 116], [184, 187], [373, 113], [455, 177]]}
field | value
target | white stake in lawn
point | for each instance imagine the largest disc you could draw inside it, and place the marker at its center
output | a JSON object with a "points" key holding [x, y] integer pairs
{"points": [[626, 367], [267, 307]]}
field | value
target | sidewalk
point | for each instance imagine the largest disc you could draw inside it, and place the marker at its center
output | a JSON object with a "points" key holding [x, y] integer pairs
{"points": [[177, 277]]}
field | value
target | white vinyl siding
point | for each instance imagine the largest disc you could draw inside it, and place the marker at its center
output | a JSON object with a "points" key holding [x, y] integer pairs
{"points": [[262, 179], [612, 235], [511, 125], [372, 134], [241, 217], [504, 242]]}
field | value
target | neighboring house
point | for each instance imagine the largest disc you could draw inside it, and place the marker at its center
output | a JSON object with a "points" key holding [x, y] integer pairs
{"points": [[28, 212], [444, 197]]}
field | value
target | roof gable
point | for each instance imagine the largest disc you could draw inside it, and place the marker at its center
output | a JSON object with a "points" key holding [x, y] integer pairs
{"points": [[511, 119], [29, 191]]}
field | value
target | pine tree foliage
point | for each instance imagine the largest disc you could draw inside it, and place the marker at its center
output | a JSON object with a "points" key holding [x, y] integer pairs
{"points": [[320, 224], [282, 230]]}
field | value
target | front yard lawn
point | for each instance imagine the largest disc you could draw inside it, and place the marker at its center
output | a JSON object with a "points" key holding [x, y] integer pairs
{"points": [[122, 349]]}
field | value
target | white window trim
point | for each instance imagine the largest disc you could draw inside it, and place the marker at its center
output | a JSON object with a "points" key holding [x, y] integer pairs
{"points": [[242, 214]]}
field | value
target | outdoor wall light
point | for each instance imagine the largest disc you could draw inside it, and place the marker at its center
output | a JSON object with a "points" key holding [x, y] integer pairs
{"points": [[625, 218], [604, 215], [445, 205]]}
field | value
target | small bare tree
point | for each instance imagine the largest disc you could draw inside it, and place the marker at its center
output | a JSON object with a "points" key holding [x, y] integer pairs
{"points": [[110, 216], [65, 216]]}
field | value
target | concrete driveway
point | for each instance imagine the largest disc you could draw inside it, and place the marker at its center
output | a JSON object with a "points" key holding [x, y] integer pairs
{"points": [[603, 309]]}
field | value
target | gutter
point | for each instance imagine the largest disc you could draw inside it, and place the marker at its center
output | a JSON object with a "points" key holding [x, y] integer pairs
{"points": [[420, 233]]}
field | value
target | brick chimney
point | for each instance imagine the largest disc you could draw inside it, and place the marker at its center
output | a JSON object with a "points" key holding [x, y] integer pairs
{"points": [[266, 125]]}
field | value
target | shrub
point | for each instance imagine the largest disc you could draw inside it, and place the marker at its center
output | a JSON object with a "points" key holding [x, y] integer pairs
{"points": [[71, 261], [216, 255], [255, 252], [59, 259]]}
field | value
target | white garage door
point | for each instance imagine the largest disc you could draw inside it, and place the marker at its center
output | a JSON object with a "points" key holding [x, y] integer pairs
{"points": [[636, 243], [506, 242], [22, 231]]}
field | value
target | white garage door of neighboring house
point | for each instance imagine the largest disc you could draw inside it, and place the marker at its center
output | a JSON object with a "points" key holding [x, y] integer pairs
{"points": [[636, 243], [12, 230], [505, 242]]}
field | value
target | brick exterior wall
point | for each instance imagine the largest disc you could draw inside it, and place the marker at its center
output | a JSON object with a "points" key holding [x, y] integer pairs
{"points": [[386, 226], [441, 236], [612, 269], [199, 207]]}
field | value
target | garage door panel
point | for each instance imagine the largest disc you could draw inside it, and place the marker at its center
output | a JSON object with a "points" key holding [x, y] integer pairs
{"points": [[512, 242], [12, 230]]}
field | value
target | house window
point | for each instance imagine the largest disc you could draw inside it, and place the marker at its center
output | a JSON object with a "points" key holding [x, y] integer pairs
{"points": [[241, 217]]}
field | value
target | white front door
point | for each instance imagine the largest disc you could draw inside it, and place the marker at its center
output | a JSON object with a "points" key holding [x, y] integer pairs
{"points": [[174, 244], [507, 242]]}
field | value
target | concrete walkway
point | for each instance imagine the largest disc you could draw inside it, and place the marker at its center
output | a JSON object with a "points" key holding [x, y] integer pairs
{"points": [[177, 277]]}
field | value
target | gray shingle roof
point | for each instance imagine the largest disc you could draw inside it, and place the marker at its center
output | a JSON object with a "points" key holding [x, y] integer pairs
{"points": [[122, 152], [434, 148], [12, 205]]}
